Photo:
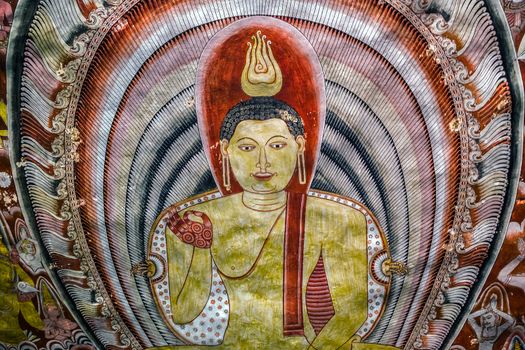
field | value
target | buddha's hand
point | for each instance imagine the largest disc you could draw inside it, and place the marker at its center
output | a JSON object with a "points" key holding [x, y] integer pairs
{"points": [[193, 228]]}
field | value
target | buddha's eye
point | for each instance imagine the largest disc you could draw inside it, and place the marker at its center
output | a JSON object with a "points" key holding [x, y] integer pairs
{"points": [[246, 148], [278, 145]]}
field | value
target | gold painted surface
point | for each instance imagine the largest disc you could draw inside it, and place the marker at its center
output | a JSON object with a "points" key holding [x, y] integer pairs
{"points": [[248, 251]]}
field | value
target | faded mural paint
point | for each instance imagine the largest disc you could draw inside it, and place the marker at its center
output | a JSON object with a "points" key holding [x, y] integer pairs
{"points": [[323, 174]]}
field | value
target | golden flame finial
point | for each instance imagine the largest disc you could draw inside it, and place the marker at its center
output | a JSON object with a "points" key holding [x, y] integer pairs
{"points": [[261, 75]]}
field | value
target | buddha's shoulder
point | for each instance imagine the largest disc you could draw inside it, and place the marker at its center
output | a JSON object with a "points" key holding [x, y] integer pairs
{"points": [[212, 205], [333, 207]]}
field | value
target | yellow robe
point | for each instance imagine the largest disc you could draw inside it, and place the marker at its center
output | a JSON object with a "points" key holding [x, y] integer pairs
{"points": [[247, 249]]}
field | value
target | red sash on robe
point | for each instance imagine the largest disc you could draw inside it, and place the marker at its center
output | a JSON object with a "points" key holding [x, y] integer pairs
{"points": [[319, 303], [293, 264]]}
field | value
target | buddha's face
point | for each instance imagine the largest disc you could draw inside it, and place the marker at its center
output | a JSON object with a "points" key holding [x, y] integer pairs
{"points": [[263, 155]]}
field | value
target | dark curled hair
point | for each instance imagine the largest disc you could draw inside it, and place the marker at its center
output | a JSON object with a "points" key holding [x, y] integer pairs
{"points": [[261, 108]]}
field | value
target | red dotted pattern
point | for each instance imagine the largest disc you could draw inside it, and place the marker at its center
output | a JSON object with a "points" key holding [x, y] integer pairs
{"points": [[197, 234]]}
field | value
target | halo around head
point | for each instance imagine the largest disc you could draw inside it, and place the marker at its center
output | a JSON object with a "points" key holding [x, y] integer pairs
{"points": [[278, 62]]}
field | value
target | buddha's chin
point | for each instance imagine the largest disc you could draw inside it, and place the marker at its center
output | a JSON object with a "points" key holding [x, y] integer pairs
{"points": [[263, 188]]}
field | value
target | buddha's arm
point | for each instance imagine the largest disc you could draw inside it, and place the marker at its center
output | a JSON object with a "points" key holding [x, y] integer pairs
{"points": [[345, 261], [189, 271]]}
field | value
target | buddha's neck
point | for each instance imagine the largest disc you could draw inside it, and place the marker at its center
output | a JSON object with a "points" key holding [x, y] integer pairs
{"points": [[264, 201]]}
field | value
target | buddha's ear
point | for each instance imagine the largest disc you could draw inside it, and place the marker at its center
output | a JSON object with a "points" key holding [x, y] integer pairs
{"points": [[224, 147], [301, 141]]}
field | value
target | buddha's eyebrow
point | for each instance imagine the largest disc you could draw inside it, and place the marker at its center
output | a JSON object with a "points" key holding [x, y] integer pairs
{"points": [[271, 138], [246, 138]]}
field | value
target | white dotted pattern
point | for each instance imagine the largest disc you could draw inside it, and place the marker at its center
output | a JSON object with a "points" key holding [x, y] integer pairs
{"points": [[210, 326]]}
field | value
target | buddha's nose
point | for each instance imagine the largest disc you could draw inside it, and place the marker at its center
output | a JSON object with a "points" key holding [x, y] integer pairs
{"points": [[263, 161]]}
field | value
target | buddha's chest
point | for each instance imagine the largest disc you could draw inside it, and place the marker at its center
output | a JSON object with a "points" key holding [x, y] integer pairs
{"points": [[259, 281], [252, 251], [251, 266]]}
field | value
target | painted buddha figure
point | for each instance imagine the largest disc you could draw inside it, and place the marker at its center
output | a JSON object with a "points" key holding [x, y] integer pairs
{"points": [[267, 263]]}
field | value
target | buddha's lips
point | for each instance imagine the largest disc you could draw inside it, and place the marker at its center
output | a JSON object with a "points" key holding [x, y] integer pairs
{"points": [[263, 176]]}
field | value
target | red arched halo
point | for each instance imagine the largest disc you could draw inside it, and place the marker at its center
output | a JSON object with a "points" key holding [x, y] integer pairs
{"points": [[218, 87]]}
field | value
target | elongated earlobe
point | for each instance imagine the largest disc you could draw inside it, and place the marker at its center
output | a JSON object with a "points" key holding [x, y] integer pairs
{"points": [[225, 165], [301, 163]]}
